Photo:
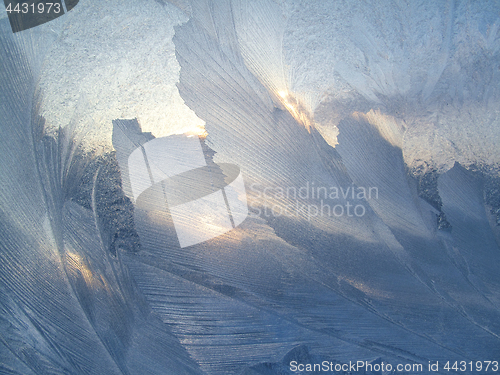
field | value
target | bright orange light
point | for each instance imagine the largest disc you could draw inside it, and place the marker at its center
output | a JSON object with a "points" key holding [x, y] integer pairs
{"points": [[296, 109], [199, 131]]}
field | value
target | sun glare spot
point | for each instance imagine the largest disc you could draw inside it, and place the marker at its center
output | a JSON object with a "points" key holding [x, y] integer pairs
{"points": [[296, 109], [197, 131]]}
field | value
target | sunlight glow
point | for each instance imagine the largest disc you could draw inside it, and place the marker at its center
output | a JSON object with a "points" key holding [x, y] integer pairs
{"points": [[296, 109]]}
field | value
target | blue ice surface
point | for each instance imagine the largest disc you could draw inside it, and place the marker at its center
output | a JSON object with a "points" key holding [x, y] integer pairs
{"points": [[386, 286]]}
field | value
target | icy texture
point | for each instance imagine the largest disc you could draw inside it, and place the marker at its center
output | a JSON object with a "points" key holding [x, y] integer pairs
{"points": [[434, 65], [66, 305], [387, 284], [115, 60]]}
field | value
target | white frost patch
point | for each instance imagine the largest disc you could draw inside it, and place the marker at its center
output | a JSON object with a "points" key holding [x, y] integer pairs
{"points": [[116, 59], [469, 135], [431, 65]]}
